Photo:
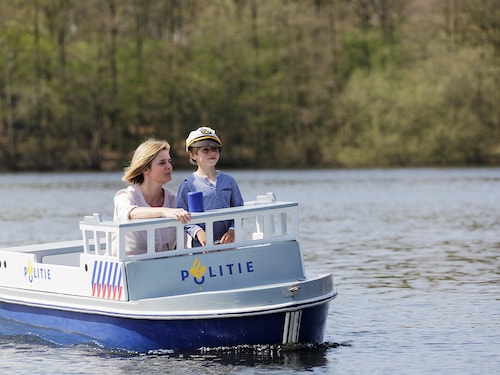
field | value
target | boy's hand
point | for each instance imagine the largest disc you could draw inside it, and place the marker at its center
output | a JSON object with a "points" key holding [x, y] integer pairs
{"points": [[228, 237], [202, 237]]}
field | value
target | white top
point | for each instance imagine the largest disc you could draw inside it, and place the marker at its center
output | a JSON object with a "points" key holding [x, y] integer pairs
{"points": [[131, 197]]}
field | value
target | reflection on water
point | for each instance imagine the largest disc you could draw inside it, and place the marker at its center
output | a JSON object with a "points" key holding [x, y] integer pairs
{"points": [[220, 360], [414, 254]]}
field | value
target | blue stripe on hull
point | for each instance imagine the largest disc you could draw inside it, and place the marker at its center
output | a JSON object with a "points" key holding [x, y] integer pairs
{"points": [[142, 335]]}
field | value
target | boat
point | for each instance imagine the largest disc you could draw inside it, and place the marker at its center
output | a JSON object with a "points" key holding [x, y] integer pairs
{"points": [[253, 291]]}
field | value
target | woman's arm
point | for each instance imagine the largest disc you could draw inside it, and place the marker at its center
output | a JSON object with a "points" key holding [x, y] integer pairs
{"points": [[178, 214]]}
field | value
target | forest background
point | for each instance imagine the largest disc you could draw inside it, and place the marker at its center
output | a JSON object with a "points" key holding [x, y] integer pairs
{"points": [[286, 83]]}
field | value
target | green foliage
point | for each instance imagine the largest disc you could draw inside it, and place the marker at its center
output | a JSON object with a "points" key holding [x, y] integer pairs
{"points": [[286, 83]]}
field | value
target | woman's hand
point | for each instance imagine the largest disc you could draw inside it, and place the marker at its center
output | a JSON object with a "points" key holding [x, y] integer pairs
{"points": [[179, 214]]}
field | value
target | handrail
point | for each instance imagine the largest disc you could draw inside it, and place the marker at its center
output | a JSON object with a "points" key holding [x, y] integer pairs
{"points": [[258, 222]]}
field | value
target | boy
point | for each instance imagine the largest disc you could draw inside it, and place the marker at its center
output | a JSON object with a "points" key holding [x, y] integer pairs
{"points": [[219, 189]]}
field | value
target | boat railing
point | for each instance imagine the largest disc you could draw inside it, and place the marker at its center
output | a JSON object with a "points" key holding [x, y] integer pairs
{"points": [[256, 223]]}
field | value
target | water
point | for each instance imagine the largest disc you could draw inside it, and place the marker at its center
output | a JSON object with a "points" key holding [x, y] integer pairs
{"points": [[414, 253]]}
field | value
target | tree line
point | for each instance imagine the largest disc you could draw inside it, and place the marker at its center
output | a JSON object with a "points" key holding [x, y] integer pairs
{"points": [[286, 83]]}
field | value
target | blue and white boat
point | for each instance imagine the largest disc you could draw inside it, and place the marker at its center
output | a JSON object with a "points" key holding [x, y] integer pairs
{"points": [[252, 291]]}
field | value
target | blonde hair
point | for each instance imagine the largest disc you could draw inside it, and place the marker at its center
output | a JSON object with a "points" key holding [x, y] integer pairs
{"points": [[142, 158]]}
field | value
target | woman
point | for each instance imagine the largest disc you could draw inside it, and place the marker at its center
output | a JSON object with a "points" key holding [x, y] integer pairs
{"points": [[150, 168]]}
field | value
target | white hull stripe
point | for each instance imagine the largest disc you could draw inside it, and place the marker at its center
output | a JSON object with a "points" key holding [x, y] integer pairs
{"points": [[291, 328]]}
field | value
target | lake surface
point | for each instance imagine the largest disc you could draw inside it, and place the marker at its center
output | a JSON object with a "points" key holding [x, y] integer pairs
{"points": [[414, 253]]}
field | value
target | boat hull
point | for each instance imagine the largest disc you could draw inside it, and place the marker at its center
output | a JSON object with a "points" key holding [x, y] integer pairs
{"points": [[297, 324]]}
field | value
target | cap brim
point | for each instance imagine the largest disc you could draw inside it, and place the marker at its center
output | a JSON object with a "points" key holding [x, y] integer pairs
{"points": [[205, 143]]}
